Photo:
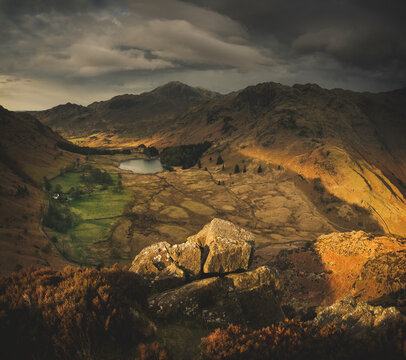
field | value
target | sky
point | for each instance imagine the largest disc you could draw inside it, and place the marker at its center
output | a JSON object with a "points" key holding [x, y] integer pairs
{"points": [[53, 51]]}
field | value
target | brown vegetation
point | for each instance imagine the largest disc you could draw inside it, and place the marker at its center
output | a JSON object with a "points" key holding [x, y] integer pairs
{"points": [[28, 153], [71, 314], [293, 339]]}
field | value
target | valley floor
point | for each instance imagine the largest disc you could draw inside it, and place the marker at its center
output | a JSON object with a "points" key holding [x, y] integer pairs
{"points": [[282, 209]]}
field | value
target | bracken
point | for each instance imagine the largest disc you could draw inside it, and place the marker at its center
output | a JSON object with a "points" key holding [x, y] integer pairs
{"points": [[294, 339], [74, 313]]}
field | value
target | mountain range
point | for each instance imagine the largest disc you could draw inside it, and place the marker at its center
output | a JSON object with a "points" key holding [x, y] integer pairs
{"points": [[294, 209], [351, 143]]}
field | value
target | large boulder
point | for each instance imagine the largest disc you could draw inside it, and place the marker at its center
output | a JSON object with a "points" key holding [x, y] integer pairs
{"points": [[155, 263], [249, 298], [220, 247], [187, 256], [226, 247], [359, 318]]}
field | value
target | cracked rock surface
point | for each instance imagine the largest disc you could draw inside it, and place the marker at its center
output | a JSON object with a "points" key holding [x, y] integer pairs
{"points": [[207, 278]]}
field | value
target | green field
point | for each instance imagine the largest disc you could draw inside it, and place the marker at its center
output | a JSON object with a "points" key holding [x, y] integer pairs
{"points": [[67, 181], [87, 242], [100, 204]]}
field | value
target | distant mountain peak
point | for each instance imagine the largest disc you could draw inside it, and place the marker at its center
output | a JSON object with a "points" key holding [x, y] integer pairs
{"points": [[173, 84], [177, 88]]}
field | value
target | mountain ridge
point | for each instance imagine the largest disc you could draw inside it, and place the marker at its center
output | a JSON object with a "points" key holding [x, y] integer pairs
{"points": [[124, 111], [351, 141]]}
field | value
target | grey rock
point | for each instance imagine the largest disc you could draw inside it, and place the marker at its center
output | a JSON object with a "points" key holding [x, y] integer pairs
{"points": [[227, 247], [359, 318], [246, 298]]}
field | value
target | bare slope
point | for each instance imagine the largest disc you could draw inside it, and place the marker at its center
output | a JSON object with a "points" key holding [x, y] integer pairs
{"points": [[27, 153], [353, 142], [131, 115]]}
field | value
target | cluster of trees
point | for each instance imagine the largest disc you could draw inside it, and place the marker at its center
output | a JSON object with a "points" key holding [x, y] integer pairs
{"points": [[237, 169], [77, 313], [150, 151], [296, 340], [97, 176], [85, 150], [59, 217], [75, 192], [184, 155]]}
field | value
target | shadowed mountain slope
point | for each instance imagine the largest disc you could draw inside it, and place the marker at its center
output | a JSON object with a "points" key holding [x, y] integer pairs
{"points": [[134, 115], [28, 152], [352, 143]]}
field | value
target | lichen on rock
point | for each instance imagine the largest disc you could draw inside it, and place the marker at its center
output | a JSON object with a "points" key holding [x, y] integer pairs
{"points": [[359, 318], [226, 247]]}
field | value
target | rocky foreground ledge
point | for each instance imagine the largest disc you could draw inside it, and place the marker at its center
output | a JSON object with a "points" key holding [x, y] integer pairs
{"points": [[207, 278]]}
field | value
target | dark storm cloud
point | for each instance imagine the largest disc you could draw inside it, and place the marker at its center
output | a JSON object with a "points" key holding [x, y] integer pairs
{"points": [[81, 50], [362, 33]]}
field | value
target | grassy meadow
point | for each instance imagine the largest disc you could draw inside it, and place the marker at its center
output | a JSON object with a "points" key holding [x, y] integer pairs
{"points": [[96, 212]]}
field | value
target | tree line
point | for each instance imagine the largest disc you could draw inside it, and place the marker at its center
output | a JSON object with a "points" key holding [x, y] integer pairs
{"points": [[86, 150], [184, 155]]}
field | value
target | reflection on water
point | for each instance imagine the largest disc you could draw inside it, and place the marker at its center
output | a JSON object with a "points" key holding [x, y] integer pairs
{"points": [[142, 166]]}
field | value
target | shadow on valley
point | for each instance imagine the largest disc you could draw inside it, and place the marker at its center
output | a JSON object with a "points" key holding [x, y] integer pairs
{"points": [[341, 214]]}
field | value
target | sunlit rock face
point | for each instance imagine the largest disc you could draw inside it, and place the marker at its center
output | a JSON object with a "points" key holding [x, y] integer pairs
{"points": [[226, 247], [207, 278], [220, 247]]}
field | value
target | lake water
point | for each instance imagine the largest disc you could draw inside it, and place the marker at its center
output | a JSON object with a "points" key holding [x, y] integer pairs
{"points": [[142, 166]]}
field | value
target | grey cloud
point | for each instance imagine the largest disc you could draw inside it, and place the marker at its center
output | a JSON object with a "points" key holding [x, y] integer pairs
{"points": [[360, 33], [82, 50], [93, 43]]}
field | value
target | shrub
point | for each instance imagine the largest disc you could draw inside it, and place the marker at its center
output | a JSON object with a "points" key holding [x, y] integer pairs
{"points": [[151, 151], [219, 160], [58, 217], [236, 169], [153, 351], [74, 313], [294, 339]]}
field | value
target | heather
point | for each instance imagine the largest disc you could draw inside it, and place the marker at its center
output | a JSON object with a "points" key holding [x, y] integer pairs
{"points": [[77, 313]]}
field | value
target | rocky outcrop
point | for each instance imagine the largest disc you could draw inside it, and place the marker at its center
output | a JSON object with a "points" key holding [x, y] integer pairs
{"points": [[369, 267], [220, 247], [214, 293], [226, 247], [155, 263], [355, 243], [385, 275], [359, 318], [245, 298]]}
